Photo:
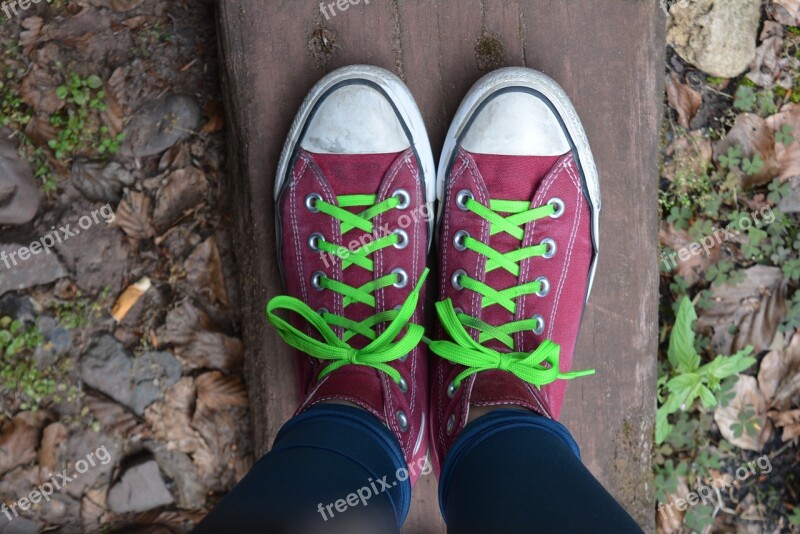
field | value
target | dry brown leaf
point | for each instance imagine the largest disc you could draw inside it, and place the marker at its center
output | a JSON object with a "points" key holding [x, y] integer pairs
{"points": [[766, 66], [786, 12], [216, 117], [204, 272], [216, 390], [183, 190], [38, 90], [113, 115], [40, 131], [116, 419], [683, 99], [770, 373], [117, 5], [170, 418], [695, 266], [669, 519], [755, 306], [788, 157], [19, 439], [755, 137], [93, 508], [29, 38], [790, 423], [787, 395], [135, 214], [197, 341], [53, 437], [129, 298], [747, 396], [222, 429]]}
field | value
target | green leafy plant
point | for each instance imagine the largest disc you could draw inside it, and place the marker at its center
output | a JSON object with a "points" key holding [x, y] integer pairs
{"points": [[778, 190], [679, 217], [690, 380], [745, 98], [732, 159], [752, 166], [784, 136]]}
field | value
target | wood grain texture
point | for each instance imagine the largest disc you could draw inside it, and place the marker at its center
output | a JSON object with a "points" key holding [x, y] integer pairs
{"points": [[609, 58]]}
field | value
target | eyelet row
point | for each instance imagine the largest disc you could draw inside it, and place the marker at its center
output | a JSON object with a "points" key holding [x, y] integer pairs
{"points": [[401, 194]]}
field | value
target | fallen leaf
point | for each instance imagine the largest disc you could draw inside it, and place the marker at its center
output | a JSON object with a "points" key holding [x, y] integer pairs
{"points": [[669, 519], [29, 38], [53, 438], [197, 341], [93, 509], [99, 180], [117, 5], [789, 422], [216, 117], [182, 190], [752, 134], [770, 373], [170, 418], [129, 298], [767, 64], [204, 272], [683, 99], [115, 418], [786, 12], [113, 115], [747, 395], [217, 390], [746, 313], [788, 157], [134, 216], [39, 91], [693, 268], [19, 439], [787, 394]]}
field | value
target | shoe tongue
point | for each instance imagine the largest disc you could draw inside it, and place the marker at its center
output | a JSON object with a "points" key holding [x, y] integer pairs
{"points": [[508, 178], [356, 174]]}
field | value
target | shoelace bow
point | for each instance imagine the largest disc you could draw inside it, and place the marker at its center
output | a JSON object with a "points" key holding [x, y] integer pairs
{"points": [[539, 367], [382, 349]]}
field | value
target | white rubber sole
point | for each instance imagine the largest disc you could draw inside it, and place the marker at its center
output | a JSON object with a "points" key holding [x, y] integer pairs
{"points": [[547, 87], [401, 98]]}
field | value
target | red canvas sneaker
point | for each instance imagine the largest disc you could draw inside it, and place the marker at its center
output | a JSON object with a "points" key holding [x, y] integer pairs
{"points": [[354, 226], [519, 204]]}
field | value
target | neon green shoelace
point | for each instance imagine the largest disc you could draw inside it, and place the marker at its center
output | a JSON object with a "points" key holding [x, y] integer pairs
{"points": [[539, 367], [382, 349]]}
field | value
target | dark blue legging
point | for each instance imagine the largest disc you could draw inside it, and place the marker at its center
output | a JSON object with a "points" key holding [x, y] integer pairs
{"points": [[338, 469]]}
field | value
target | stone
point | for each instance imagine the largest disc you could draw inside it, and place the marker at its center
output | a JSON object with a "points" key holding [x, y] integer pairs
{"points": [[140, 489], [19, 195], [17, 274], [56, 342], [159, 124], [134, 382], [716, 36], [791, 203]]}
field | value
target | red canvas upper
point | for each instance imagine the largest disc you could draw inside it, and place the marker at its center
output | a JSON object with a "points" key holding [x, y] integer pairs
{"points": [[537, 179], [332, 176]]}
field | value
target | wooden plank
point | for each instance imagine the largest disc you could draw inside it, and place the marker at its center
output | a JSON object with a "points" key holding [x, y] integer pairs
{"points": [[607, 55]]}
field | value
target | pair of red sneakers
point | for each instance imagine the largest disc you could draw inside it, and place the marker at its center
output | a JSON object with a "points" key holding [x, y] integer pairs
{"points": [[517, 235]]}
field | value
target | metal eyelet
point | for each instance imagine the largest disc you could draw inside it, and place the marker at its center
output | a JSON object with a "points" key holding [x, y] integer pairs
{"points": [[403, 241], [539, 330], [311, 202], [451, 390], [559, 205], [460, 240], [314, 240], [403, 278], [404, 198], [551, 248], [316, 280], [456, 279], [403, 385], [451, 423], [545, 286], [402, 420], [462, 197], [458, 310], [403, 359], [322, 311]]}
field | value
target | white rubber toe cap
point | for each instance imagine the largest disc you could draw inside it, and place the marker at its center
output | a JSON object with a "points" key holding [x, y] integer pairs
{"points": [[355, 119], [516, 124]]}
